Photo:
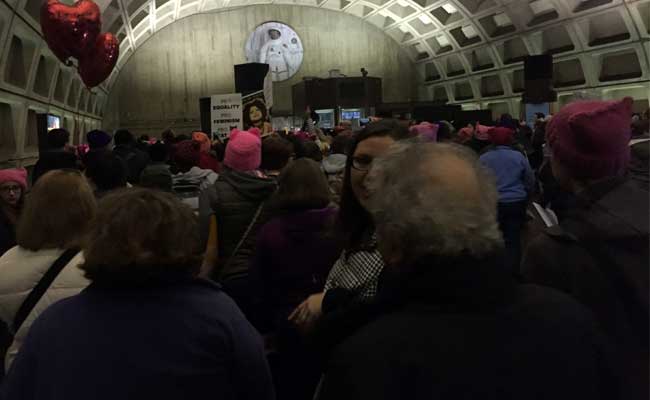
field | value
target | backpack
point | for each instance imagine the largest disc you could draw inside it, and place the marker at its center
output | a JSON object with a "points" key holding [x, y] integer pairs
{"points": [[188, 191]]}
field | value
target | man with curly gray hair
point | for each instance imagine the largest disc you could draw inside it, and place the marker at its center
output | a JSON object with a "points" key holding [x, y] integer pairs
{"points": [[434, 199], [450, 321]]}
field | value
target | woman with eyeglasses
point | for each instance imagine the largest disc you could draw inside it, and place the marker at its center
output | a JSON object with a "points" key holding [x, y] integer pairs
{"points": [[13, 184], [52, 227], [354, 277]]}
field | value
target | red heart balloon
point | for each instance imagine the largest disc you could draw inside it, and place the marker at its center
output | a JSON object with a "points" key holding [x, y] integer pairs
{"points": [[70, 30], [98, 62]]}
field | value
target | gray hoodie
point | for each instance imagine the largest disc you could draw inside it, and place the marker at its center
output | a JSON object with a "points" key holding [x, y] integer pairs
{"points": [[188, 185], [334, 164]]}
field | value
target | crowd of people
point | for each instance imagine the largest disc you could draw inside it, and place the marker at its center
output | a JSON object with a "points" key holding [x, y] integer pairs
{"points": [[403, 260]]}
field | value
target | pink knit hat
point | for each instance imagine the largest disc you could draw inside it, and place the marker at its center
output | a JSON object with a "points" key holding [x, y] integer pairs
{"points": [[465, 134], [481, 132], [18, 175], [591, 138], [302, 135], [426, 130], [187, 152], [244, 150], [501, 136], [203, 139]]}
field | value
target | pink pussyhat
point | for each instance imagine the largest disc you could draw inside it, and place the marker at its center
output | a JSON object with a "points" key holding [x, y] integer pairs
{"points": [[481, 132], [591, 138], [18, 175], [426, 130], [244, 150]]}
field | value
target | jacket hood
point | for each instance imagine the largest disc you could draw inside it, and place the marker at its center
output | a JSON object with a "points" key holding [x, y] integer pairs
{"points": [[334, 163], [249, 186], [194, 173]]}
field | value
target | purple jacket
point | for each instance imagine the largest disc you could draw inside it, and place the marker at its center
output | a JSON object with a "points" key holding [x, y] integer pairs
{"points": [[293, 256]]}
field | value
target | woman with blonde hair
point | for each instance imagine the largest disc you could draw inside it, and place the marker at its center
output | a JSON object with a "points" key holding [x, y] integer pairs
{"points": [[43, 267]]}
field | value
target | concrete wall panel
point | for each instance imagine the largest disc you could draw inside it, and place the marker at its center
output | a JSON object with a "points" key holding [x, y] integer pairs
{"points": [[162, 82]]}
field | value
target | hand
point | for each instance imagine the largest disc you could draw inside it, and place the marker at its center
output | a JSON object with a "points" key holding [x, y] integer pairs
{"points": [[308, 312]]}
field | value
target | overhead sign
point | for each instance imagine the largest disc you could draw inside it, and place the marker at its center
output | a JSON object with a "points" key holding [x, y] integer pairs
{"points": [[226, 114]]}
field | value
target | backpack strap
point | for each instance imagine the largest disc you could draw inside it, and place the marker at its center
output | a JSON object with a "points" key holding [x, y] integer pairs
{"points": [[41, 287], [245, 235]]}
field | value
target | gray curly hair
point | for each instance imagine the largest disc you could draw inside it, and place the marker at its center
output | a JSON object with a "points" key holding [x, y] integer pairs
{"points": [[433, 199]]}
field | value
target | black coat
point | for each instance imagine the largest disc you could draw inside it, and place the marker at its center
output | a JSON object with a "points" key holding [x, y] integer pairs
{"points": [[7, 234], [136, 161], [52, 160], [462, 329], [599, 254]]}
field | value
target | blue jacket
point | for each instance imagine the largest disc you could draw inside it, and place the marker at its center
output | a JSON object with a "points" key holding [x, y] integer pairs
{"points": [[184, 340], [515, 178]]}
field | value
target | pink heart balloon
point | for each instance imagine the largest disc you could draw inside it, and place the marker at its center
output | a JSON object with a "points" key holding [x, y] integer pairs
{"points": [[70, 30], [98, 62]]}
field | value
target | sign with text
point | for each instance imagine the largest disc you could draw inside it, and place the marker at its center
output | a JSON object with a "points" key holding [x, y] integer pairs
{"points": [[226, 114]]}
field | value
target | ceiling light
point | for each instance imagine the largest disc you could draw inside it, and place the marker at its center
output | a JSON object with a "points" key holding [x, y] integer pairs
{"points": [[449, 8], [502, 19], [425, 19], [443, 41], [541, 6], [469, 31]]}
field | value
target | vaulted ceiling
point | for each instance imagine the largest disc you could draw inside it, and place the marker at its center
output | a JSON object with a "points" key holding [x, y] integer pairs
{"points": [[464, 49]]}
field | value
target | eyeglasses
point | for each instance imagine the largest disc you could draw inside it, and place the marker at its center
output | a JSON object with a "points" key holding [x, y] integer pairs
{"points": [[9, 189], [362, 164]]}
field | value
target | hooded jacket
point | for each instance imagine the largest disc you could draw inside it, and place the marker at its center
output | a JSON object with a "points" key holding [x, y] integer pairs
{"points": [[235, 198], [188, 185], [599, 255], [334, 167], [157, 175], [334, 164]]}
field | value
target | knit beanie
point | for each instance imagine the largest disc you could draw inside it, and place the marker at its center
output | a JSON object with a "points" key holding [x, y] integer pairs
{"points": [[244, 150], [203, 140], [302, 135], [501, 136], [187, 153], [481, 132], [98, 139], [18, 175], [465, 134], [426, 130], [591, 138]]}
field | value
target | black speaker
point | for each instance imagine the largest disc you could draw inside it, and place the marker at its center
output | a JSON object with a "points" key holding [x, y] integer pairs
{"points": [[249, 77], [205, 114], [538, 79], [538, 67]]}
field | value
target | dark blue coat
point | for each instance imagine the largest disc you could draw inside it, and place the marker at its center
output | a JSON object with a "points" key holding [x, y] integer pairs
{"points": [[181, 341]]}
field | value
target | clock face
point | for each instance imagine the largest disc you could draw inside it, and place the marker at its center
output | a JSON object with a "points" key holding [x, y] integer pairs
{"points": [[277, 45]]}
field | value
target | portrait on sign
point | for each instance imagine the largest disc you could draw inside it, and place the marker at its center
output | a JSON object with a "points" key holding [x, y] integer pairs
{"points": [[277, 45]]}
